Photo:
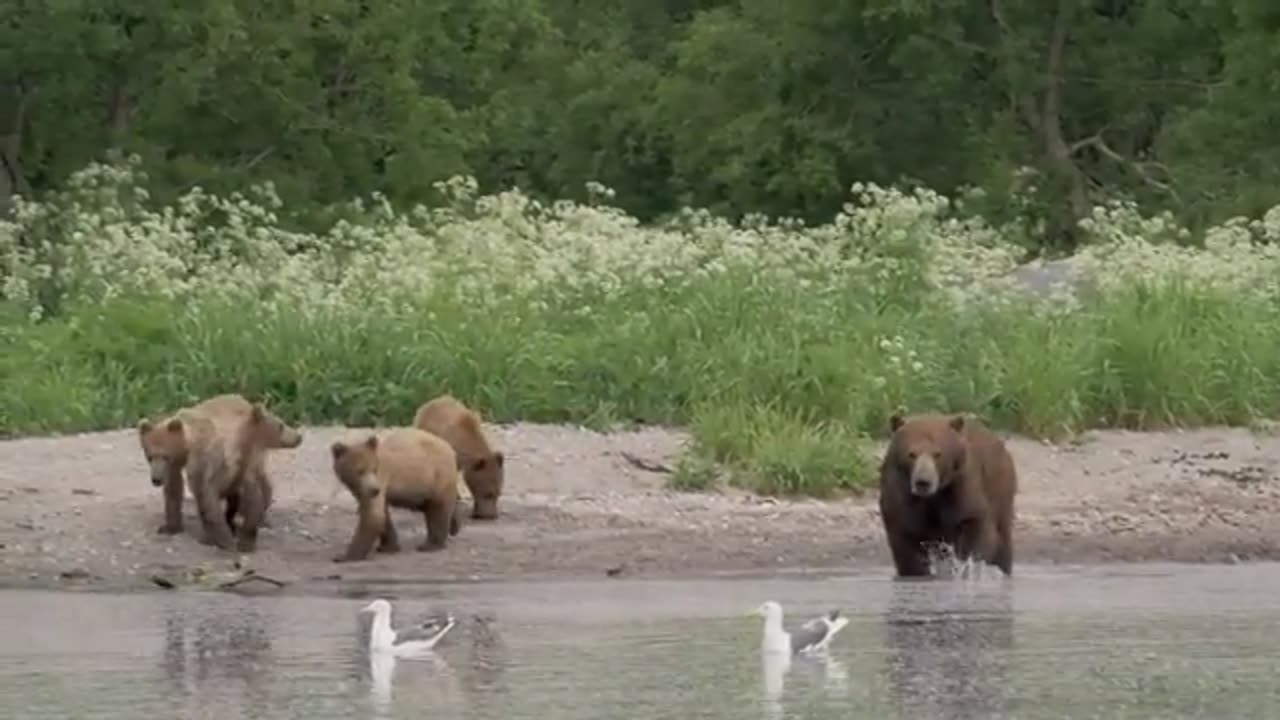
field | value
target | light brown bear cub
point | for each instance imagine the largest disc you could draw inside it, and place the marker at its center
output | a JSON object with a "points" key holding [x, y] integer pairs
{"points": [[947, 478], [404, 468], [221, 443], [481, 465], [166, 454]]}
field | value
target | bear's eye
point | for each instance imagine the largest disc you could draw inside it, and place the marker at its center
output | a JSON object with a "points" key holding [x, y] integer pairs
{"points": [[956, 465], [911, 456]]}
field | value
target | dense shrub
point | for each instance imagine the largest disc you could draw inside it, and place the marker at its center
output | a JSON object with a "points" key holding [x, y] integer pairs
{"points": [[783, 347]]}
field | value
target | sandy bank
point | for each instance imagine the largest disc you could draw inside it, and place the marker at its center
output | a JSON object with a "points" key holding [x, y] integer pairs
{"points": [[580, 505]]}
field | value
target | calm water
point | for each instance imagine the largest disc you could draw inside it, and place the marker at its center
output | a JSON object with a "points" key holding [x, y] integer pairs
{"points": [[1145, 642]]}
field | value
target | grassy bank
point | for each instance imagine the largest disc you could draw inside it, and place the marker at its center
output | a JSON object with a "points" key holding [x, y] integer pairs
{"points": [[781, 347]]}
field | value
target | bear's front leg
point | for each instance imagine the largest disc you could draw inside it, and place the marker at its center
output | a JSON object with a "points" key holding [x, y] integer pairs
{"points": [[173, 489], [251, 506], [909, 556], [371, 524], [975, 540], [390, 541]]}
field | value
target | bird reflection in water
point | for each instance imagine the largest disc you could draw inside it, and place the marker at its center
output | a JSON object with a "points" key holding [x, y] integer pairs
{"points": [[775, 667], [382, 670]]}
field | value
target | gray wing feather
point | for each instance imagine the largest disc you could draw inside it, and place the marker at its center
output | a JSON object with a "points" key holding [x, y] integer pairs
{"points": [[419, 633], [811, 634]]}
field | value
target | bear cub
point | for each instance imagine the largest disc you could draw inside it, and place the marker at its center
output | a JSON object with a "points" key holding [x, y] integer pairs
{"points": [[221, 443], [481, 464], [403, 468]]}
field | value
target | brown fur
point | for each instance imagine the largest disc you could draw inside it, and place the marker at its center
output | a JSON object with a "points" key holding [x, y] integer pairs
{"points": [[482, 466], [219, 443], [968, 502], [404, 468], [237, 405]]}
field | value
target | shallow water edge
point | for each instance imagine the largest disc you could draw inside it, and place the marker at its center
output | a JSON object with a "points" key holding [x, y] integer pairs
{"points": [[410, 587], [1116, 641]]}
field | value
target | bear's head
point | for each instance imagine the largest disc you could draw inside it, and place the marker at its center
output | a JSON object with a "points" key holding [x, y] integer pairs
{"points": [[266, 430], [930, 451], [484, 478], [356, 465], [164, 444]]}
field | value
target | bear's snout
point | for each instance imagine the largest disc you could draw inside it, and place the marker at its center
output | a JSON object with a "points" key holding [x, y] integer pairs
{"points": [[924, 477], [159, 471]]}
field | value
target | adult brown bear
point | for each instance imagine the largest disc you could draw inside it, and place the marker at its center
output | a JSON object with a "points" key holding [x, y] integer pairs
{"points": [[948, 479]]}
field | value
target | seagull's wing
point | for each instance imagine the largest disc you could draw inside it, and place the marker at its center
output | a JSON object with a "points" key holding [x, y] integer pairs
{"points": [[431, 623], [818, 631], [429, 634], [808, 636]]}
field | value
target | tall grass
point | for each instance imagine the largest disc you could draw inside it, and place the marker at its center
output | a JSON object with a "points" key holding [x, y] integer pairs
{"points": [[784, 349]]}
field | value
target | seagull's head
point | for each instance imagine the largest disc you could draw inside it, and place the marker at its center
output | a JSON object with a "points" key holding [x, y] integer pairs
{"points": [[379, 607], [768, 610]]}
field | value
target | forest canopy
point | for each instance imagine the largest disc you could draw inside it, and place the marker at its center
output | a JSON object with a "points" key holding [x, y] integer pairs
{"points": [[738, 106]]}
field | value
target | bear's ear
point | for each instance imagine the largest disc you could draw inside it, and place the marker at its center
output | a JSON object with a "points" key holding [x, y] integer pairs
{"points": [[957, 422], [498, 459], [371, 442], [895, 422], [174, 425], [144, 426], [257, 412], [337, 449]]}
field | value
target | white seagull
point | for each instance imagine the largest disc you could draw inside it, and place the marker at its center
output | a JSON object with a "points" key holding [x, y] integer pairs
{"points": [[812, 637], [404, 642]]}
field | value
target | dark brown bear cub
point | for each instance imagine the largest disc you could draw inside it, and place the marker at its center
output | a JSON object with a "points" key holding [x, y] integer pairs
{"points": [[949, 479]]}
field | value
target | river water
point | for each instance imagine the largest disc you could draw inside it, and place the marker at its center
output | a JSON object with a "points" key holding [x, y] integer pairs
{"points": [[1146, 641]]}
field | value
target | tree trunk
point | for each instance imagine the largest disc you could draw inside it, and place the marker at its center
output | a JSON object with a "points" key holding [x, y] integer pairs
{"points": [[1056, 146], [12, 180]]}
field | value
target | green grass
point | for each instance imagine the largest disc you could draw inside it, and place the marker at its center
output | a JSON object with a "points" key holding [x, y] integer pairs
{"points": [[780, 389], [773, 452]]}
